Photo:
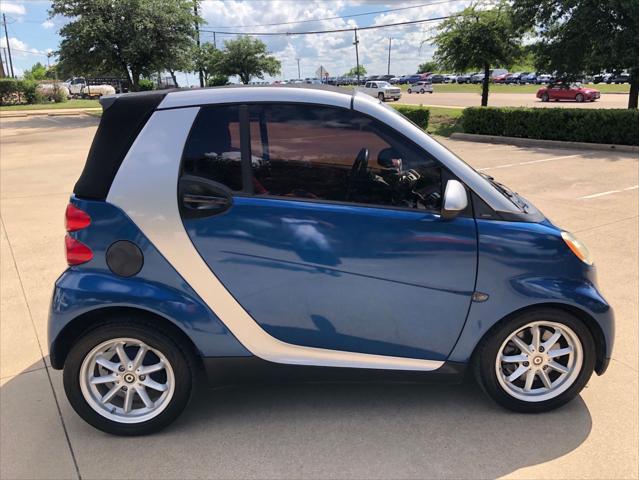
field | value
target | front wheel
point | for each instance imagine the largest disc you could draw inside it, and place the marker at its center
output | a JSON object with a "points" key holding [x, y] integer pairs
{"points": [[537, 361], [410, 91], [579, 98], [128, 379], [545, 97]]}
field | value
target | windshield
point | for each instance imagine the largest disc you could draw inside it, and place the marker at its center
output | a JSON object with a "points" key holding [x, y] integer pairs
{"points": [[383, 84]]}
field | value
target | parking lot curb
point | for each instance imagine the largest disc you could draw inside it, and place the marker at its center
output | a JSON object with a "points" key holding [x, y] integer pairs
{"points": [[530, 142], [47, 113]]}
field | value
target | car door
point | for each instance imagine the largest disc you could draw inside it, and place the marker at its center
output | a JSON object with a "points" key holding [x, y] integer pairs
{"points": [[328, 232]]}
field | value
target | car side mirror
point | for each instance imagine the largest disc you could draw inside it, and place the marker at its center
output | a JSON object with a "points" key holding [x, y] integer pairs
{"points": [[455, 199]]}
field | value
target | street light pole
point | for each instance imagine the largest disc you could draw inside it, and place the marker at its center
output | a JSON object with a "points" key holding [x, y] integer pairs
{"points": [[299, 75], [389, 51], [197, 39], [6, 36], [356, 43]]}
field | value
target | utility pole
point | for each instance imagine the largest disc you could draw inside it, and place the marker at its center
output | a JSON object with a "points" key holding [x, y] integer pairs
{"points": [[356, 42], [2, 74], [299, 75], [6, 36], [214, 42], [197, 39], [389, 50]]}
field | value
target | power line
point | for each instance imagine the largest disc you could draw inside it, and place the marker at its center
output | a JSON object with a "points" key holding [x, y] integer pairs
{"points": [[338, 16], [339, 30]]}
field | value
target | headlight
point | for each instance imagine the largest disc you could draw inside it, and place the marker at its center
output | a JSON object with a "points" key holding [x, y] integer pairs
{"points": [[577, 247]]}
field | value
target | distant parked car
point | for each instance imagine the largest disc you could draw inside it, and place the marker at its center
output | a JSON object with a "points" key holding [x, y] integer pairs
{"points": [[528, 78], [515, 78], [403, 80], [500, 78], [568, 91], [436, 78], [464, 78], [477, 78], [421, 87], [544, 78], [450, 78], [621, 78], [382, 90], [394, 81], [414, 78]]}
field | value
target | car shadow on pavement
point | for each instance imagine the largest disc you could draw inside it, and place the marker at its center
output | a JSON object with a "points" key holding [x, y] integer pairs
{"points": [[305, 430]]}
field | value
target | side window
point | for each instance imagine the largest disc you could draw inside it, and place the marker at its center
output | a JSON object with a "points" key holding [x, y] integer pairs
{"points": [[315, 152], [212, 150]]}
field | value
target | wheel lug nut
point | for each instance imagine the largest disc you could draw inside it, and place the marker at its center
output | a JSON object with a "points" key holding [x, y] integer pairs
{"points": [[526, 364], [121, 368], [541, 349], [125, 388], [142, 377]]}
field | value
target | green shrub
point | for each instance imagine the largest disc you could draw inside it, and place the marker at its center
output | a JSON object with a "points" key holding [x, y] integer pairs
{"points": [[59, 95], [569, 124], [418, 115], [146, 85], [9, 91], [13, 91], [217, 81], [31, 93]]}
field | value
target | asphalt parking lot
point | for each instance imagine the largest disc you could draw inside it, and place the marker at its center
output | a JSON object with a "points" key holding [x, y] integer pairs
{"points": [[447, 99], [318, 430]]}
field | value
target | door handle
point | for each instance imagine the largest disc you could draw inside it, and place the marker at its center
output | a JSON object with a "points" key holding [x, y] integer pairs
{"points": [[205, 202], [200, 197]]}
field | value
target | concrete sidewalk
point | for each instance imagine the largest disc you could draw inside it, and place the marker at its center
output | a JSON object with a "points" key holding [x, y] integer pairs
{"points": [[317, 430]]}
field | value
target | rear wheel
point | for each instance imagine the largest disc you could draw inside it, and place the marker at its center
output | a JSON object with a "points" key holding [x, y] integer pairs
{"points": [[127, 379], [410, 91], [537, 361]]}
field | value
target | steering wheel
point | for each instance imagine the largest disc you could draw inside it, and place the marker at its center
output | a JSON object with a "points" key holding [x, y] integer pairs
{"points": [[360, 165]]}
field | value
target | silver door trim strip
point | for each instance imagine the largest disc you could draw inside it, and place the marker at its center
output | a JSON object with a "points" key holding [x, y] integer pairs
{"points": [[145, 188]]}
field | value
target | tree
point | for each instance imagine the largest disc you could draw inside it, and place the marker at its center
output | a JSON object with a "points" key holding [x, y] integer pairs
{"points": [[36, 72], [132, 37], [248, 57], [209, 60], [428, 67], [478, 39], [584, 36], [353, 71]]}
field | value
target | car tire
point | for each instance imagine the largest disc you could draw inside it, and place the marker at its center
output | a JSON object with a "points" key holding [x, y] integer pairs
{"points": [[545, 97], [422, 91], [579, 98], [380, 96], [578, 365], [410, 91], [176, 376]]}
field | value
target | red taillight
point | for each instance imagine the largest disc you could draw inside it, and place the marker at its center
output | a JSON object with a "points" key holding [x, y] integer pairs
{"points": [[77, 252], [75, 219]]}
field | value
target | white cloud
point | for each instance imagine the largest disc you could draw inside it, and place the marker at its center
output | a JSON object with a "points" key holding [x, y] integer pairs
{"points": [[48, 24], [12, 8], [410, 45]]}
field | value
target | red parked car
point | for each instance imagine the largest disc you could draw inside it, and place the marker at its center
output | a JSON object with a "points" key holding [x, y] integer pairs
{"points": [[567, 91]]}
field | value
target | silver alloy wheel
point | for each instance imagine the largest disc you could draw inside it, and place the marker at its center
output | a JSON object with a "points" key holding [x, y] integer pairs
{"points": [[539, 361], [127, 381]]}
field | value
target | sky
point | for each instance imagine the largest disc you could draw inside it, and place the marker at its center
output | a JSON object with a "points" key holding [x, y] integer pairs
{"points": [[32, 34]]}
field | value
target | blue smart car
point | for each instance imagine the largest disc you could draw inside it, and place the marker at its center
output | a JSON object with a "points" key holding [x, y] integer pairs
{"points": [[237, 233]]}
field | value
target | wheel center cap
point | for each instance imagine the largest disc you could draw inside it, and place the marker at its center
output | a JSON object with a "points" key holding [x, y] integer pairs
{"points": [[537, 360], [129, 378]]}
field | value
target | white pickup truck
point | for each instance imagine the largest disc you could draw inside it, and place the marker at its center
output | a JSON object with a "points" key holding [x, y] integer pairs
{"points": [[382, 90], [79, 88]]}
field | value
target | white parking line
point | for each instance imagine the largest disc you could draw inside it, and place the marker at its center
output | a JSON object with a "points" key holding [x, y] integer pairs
{"points": [[530, 162], [609, 192]]}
